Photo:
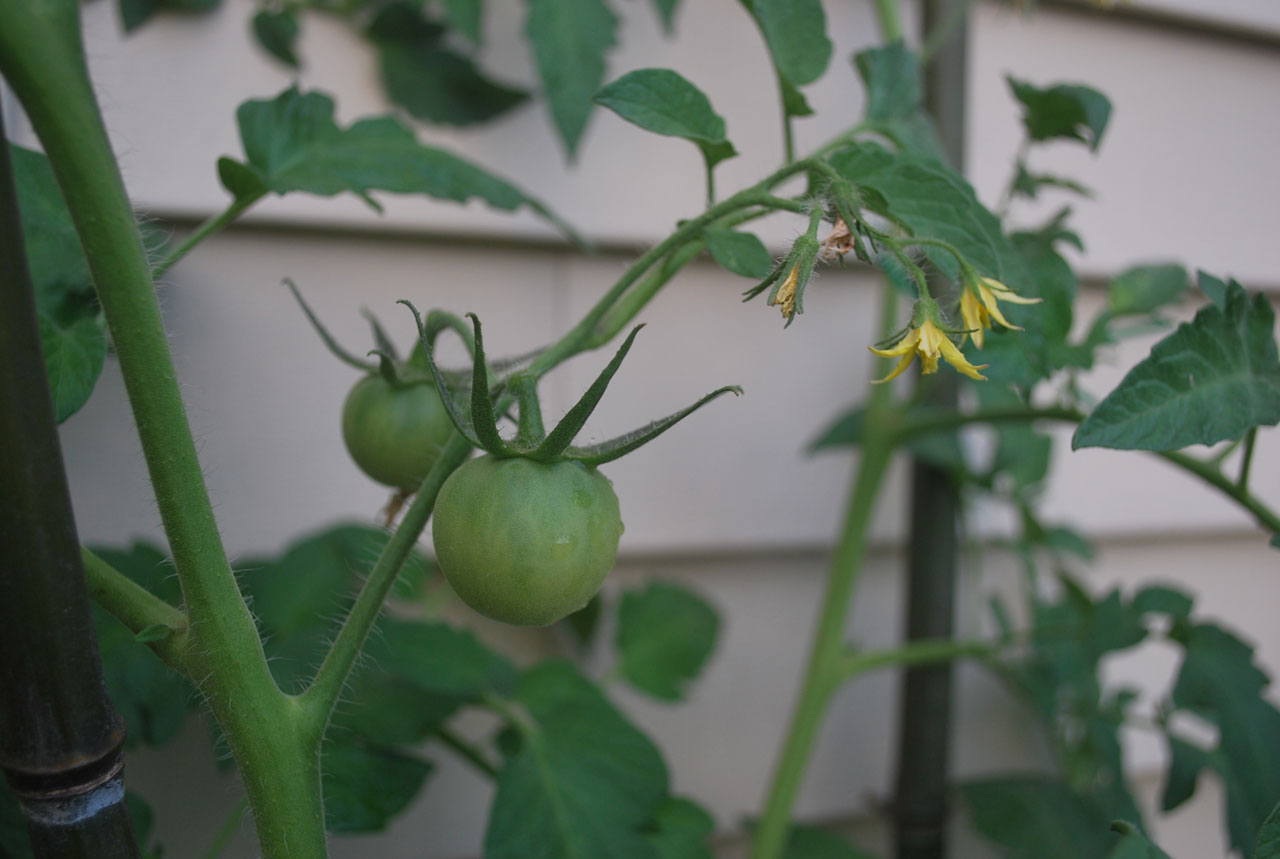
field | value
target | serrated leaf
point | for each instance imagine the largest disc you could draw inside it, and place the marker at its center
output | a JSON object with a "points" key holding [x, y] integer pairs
{"points": [[438, 85], [741, 253], [664, 102], [1213, 288], [1212, 379], [365, 787], [934, 202], [796, 32], [293, 144], [1143, 289], [680, 830], [570, 39], [73, 357], [467, 17], [1063, 111], [1037, 816], [277, 33], [665, 636], [1268, 845], [584, 781], [1159, 599]]}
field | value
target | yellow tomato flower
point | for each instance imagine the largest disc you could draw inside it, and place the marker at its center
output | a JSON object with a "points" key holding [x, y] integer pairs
{"points": [[929, 342], [785, 297], [978, 306]]}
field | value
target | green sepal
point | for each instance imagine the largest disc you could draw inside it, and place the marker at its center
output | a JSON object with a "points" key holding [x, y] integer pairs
{"points": [[328, 339], [380, 337], [562, 436], [456, 416], [482, 417], [608, 451], [154, 632], [386, 367], [530, 432]]}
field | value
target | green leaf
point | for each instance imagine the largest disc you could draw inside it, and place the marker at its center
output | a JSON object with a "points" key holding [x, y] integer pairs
{"points": [[1146, 288], [1158, 599], [135, 13], [1063, 111], [1037, 816], [810, 842], [1028, 184], [293, 144], [1214, 289], [793, 101], [435, 84], [277, 33], [584, 623], [662, 101], [741, 253], [442, 659], [570, 39], [584, 781], [1185, 763], [1212, 379], [1268, 845], [364, 787], [467, 17], [1220, 682], [933, 201], [666, 13], [796, 32], [940, 448], [665, 636], [1134, 844], [891, 75], [73, 357], [680, 830]]}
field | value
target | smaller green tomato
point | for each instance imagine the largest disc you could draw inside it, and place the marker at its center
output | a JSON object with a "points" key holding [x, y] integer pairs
{"points": [[394, 432], [523, 542]]}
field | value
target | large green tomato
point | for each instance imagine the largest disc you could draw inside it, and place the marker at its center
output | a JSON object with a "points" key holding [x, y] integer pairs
{"points": [[394, 432], [523, 542]]}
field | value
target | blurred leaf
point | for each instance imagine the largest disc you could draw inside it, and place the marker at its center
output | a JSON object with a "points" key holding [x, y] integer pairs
{"points": [[741, 253], [1158, 599], [1210, 380], [1213, 288], [467, 17], [940, 448], [1067, 540], [71, 327], [665, 636], [1064, 111], [1037, 816], [364, 787], [1028, 184], [438, 85], [1268, 846], [1185, 763], [891, 75], [1143, 289], [1220, 682], [793, 101], [1134, 844], [293, 144], [661, 101], [584, 623], [796, 33], [570, 39], [934, 202], [680, 830], [667, 12], [135, 13], [442, 659], [277, 33], [584, 781], [810, 842]]}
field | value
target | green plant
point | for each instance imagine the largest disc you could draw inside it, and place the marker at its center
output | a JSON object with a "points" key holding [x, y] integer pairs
{"points": [[572, 775]]}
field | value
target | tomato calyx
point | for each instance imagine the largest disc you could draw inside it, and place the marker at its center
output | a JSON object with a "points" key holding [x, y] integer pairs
{"points": [[479, 424]]}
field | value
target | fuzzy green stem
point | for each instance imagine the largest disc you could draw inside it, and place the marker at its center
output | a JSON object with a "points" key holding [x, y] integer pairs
{"points": [[206, 229], [1250, 437], [42, 59], [137, 608], [320, 697], [467, 752], [826, 667], [890, 20], [927, 651]]}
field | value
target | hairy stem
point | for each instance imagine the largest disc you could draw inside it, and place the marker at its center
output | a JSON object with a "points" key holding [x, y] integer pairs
{"points": [[206, 229], [137, 608]]}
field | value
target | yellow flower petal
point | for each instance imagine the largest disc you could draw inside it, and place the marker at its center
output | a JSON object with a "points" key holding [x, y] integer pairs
{"points": [[974, 316], [961, 363], [904, 346], [898, 370], [989, 299], [786, 295]]}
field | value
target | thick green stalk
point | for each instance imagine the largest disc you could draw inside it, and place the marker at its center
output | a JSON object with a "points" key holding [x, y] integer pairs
{"points": [[887, 14], [826, 666], [42, 59], [138, 609]]}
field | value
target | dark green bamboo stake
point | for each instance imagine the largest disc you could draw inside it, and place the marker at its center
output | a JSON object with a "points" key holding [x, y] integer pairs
{"points": [[60, 736], [921, 796]]}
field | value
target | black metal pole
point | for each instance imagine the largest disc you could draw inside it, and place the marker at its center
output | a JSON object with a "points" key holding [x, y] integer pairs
{"points": [[923, 781], [60, 736]]}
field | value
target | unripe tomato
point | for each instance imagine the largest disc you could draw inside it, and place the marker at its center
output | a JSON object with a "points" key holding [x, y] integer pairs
{"points": [[523, 542], [394, 432]]}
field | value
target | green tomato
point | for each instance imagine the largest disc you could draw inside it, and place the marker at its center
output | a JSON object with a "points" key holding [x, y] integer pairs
{"points": [[523, 542], [394, 432]]}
